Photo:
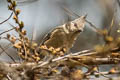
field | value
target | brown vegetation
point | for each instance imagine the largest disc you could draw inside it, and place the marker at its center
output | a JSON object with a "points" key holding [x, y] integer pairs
{"points": [[65, 66]]}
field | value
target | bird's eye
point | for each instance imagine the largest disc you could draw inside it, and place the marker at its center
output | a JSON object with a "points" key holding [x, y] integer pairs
{"points": [[75, 24]]}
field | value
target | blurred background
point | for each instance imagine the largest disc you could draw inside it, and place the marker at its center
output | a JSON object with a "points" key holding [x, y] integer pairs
{"points": [[40, 16]]}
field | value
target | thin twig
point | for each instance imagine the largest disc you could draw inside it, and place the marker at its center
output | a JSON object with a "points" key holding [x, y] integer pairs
{"points": [[7, 54], [101, 73], [118, 1], [22, 40], [7, 47], [91, 25], [111, 26], [7, 18], [7, 31], [8, 77], [79, 54], [24, 49]]}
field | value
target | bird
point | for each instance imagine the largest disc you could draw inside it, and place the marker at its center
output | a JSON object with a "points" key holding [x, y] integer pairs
{"points": [[62, 38]]}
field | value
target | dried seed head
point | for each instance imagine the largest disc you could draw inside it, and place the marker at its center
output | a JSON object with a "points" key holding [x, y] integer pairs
{"points": [[27, 44], [77, 75], [55, 70], [21, 24], [109, 38], [33, 56], [118, 40], [58, 49], [10, 7], [99, 48], [28, 51], [64, 49], [15, 18], [27, 40], [61, 53], [54, 52], [20, 53], [24, 32], [115, 55], [112, 71], [36, 54], [51, 49], [18, 45], [43, 47], [95, 69], [13, 39], [30, 59], [18, 11], [8, 36], [37, 58], [14, 3], [17, 29], [34, 45], [104, 32]]}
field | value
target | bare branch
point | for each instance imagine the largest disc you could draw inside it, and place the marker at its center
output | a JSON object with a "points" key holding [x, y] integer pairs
{"points": [[7, 18], [7, 31], [8, 54]]}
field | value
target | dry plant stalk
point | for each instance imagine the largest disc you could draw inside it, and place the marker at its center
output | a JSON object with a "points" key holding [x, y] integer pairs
{"points": [[37, 61], [26, 49]]}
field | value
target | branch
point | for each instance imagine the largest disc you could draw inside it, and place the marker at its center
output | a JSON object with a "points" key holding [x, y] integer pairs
{"points": [[7, 18], [81, 56], [7, 31]]}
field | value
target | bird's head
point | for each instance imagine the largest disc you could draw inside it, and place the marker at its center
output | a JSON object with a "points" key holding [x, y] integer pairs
{"points": [[78, 24]]}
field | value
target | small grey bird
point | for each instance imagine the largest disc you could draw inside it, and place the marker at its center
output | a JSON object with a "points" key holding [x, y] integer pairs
{"points": [[61, 39]]}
